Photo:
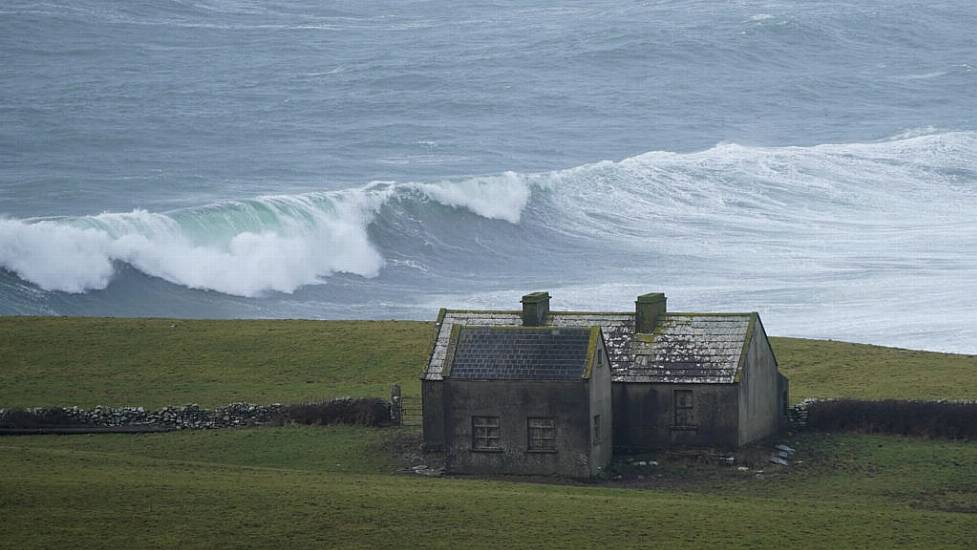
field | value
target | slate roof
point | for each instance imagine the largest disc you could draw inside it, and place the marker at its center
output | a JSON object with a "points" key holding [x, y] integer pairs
{"points": [[685, 347], [618, 329], [698, 349], [505, 353]]}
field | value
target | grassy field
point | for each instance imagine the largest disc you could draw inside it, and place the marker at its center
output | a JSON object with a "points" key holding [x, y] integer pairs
{"points": [[156, 362], [310, 487], [338, 486], [819, 368]]}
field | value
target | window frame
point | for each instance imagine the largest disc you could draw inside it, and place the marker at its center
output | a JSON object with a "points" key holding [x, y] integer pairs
{"points": [[546, 434], [486, 431], [683, 409]]}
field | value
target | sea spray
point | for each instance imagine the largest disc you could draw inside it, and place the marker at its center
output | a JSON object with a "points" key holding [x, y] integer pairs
{"points": [[790, 200], [495, 197], [832, 240], [243, 248]]}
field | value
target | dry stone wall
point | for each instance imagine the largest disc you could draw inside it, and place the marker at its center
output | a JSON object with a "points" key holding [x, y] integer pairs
{"points": [[186, 417]]}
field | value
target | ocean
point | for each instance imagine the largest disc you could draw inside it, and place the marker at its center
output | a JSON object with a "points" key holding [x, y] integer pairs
{"points": [[813, 161]]}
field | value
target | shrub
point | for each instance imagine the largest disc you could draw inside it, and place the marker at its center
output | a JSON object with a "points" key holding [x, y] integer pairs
{"points": [[38, 418], [948, 419], [364, 411]]}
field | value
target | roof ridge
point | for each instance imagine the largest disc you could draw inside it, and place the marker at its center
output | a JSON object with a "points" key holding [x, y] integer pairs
{"points": [[713, 340]]}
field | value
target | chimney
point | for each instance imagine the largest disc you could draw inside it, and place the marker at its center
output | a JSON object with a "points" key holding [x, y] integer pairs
{"points": [[535, 307], [648, 310]]}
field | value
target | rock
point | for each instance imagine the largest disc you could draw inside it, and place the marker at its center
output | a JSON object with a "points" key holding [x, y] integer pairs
{"points": [[784, 448], [743, 468], [653, 463], [777, 460], [642, 463]]}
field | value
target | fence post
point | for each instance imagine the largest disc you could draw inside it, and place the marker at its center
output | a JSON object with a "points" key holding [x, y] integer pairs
{"points": [[396, 405]]}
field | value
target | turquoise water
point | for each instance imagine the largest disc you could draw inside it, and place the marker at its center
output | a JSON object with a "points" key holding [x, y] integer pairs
{"points": [[813, 161]]}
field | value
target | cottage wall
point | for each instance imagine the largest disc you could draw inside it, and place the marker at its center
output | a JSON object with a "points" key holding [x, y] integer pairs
{"points": [[761, 391], [514, 401], [784, 389], [645, 417], [600, 404], [432, 410]]}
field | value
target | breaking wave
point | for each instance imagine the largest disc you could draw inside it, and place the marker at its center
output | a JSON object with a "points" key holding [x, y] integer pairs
{"points": [[244, 248], [788, 201]]}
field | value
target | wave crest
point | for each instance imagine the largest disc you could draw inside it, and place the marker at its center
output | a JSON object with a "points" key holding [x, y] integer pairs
{"points": [[243, 248], [699, 204], [502, 197]]}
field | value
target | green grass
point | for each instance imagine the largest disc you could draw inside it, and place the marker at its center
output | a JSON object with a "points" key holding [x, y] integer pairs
{"points": [[821, 368], [337, 449], [337, 486], [310, 487], [157, 362]]}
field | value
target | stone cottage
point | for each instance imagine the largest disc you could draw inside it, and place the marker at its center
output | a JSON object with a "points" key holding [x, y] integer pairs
{"points": [[537, 391]]}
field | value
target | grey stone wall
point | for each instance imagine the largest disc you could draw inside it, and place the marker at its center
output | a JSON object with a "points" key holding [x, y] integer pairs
{"points": [[190, 416]]}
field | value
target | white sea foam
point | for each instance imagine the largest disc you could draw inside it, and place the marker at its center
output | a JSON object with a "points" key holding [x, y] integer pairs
{"points": [[831, 240], [54, 256], [68, 258], [495, 197], [244, 248]]}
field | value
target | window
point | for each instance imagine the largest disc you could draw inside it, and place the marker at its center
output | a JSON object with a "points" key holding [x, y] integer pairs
{"points": [[684, 412], [485, 433], [596, 431], [600, 358], [542, 434]]}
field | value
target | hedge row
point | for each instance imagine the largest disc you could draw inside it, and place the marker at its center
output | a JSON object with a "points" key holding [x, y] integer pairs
{"points": [[946, 419], [365, 411], [39, 418]]}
